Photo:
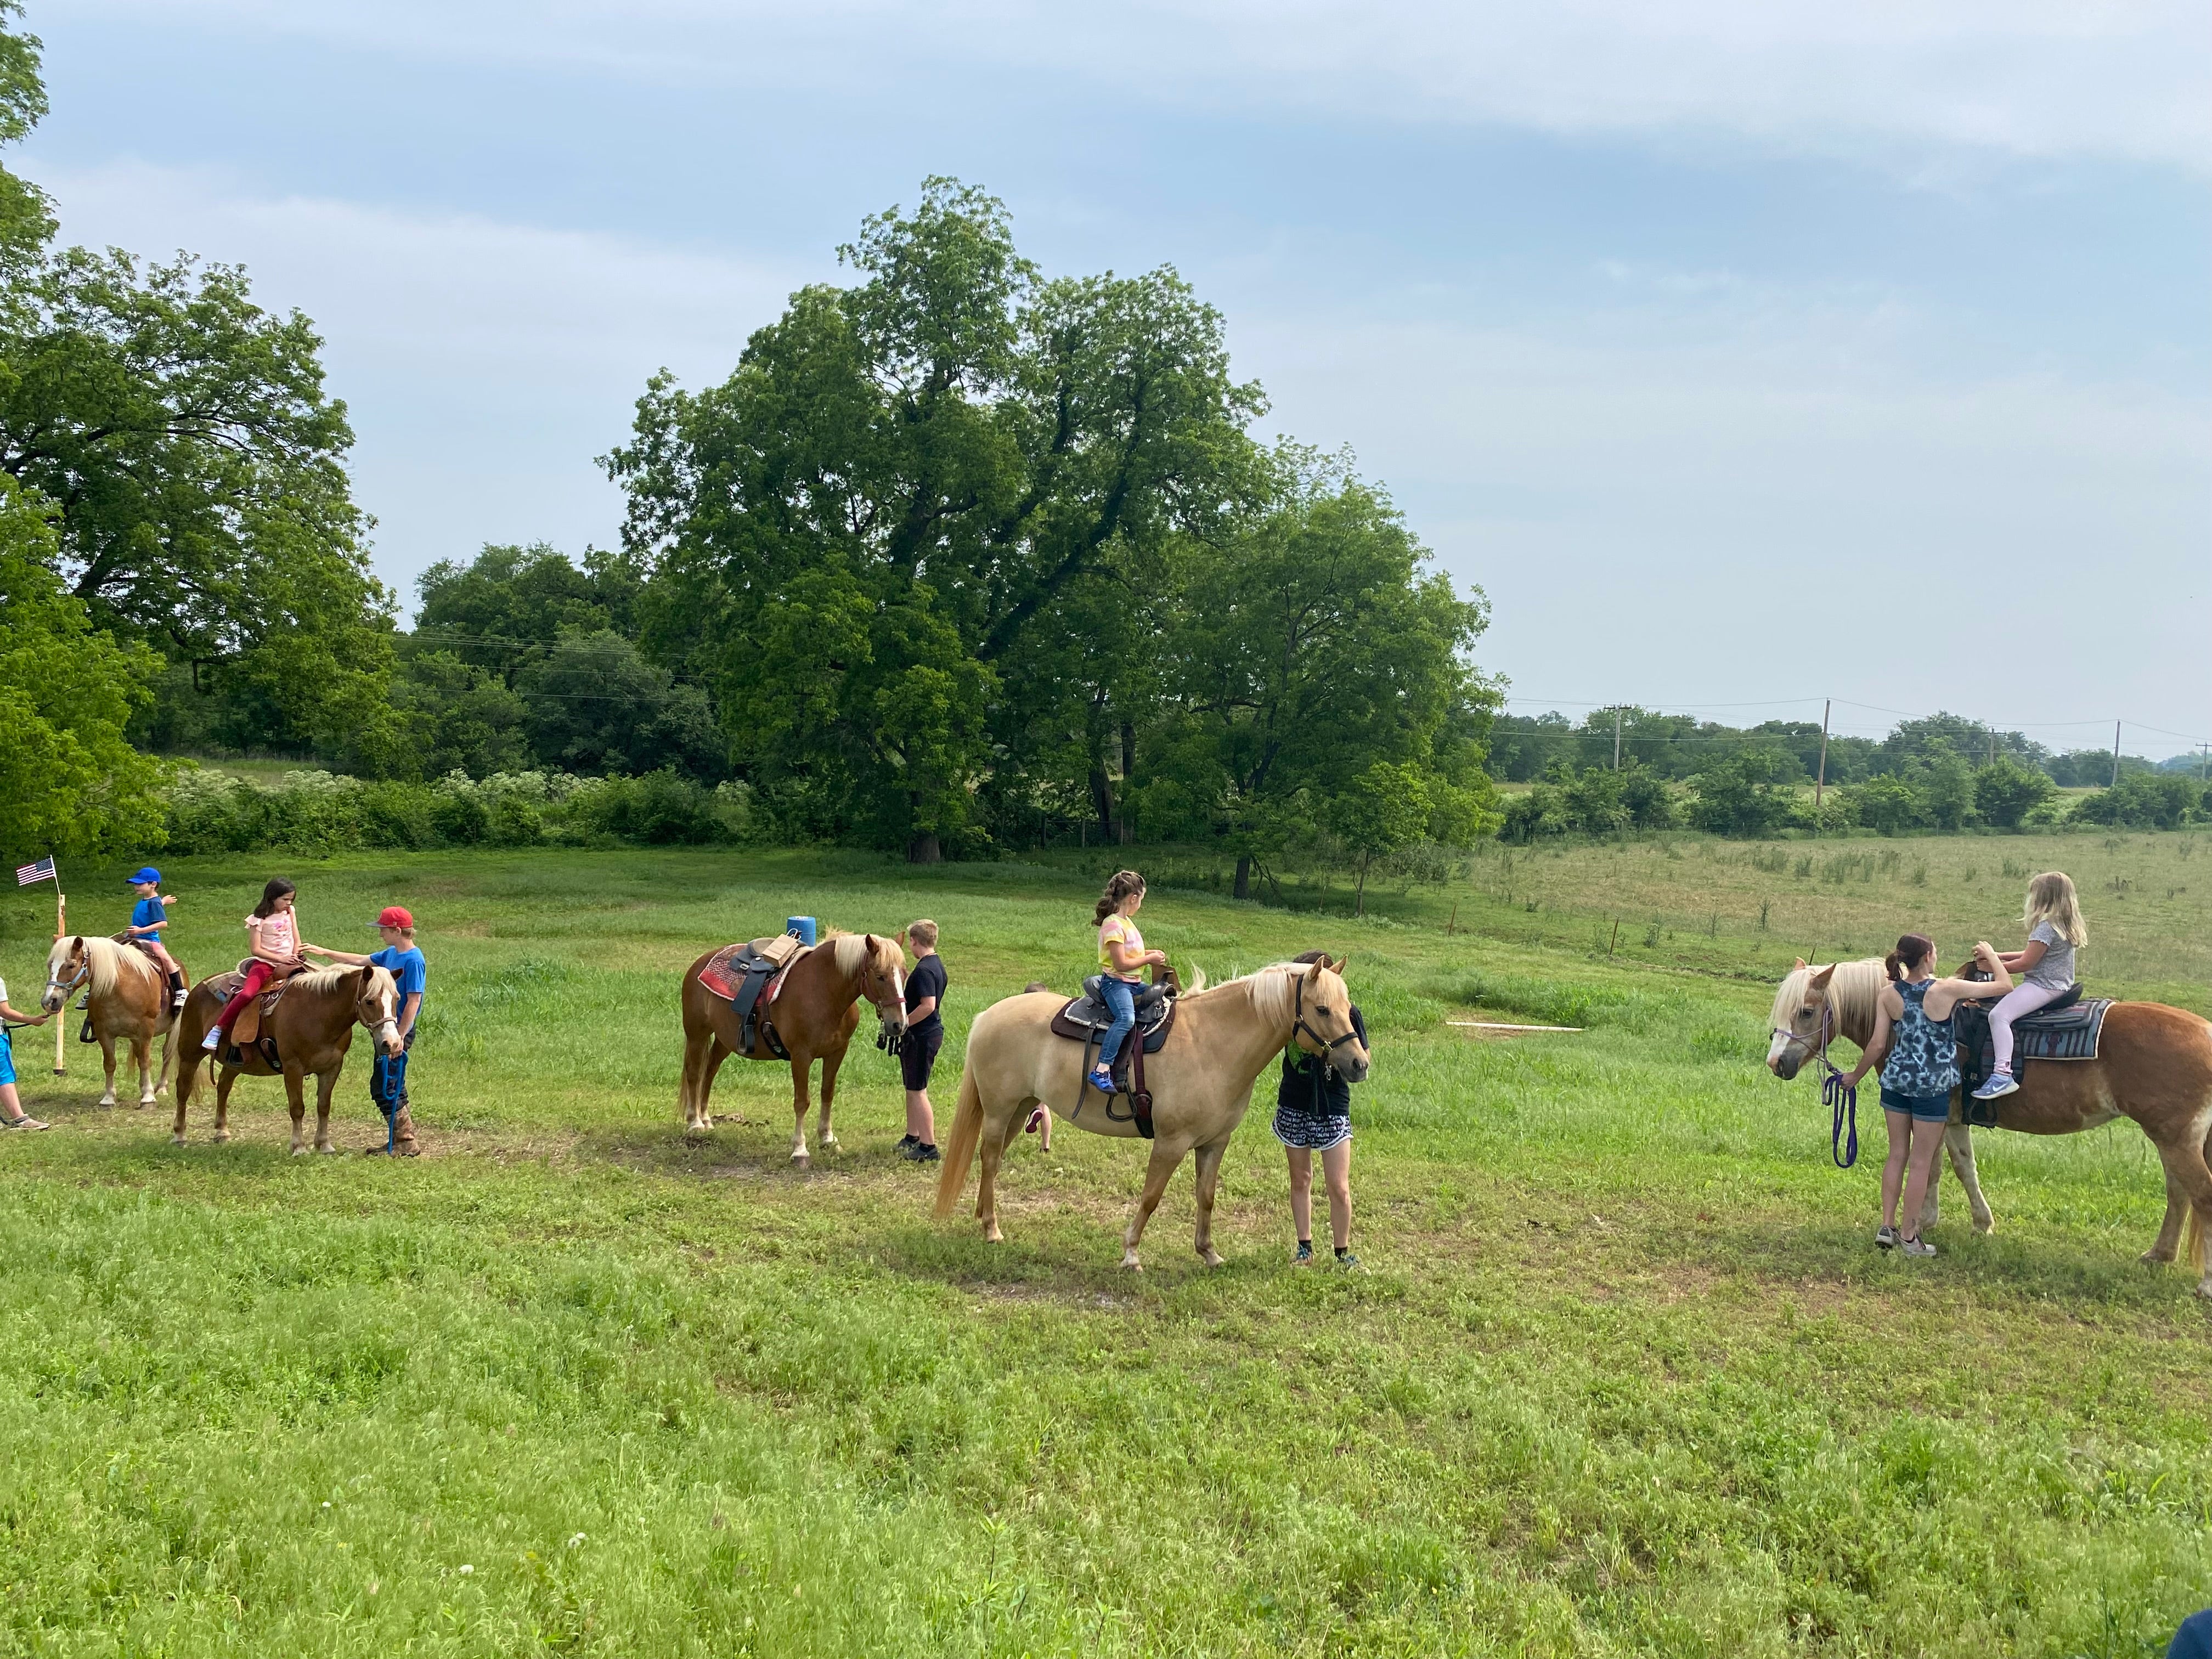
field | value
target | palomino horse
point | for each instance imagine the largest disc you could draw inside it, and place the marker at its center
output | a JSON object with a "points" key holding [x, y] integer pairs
{"points": [[1200, 1079], [312, 1027], [2155, 1066], [128, 1000], [815, 1015]]}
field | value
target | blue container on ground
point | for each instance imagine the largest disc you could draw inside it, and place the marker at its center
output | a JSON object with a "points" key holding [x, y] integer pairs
{"points": [[801, 927]]}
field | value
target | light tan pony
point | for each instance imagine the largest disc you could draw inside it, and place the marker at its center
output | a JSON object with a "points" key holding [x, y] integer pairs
{"points": [[2154, 1065], [1201, 1081], [815, 1015], [127, 998], [312, 1029]]}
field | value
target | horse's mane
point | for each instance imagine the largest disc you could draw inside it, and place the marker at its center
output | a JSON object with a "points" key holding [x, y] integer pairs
{"points": [[108, 961], [1270, 987], [849, 951], [1852, 989], [321, 979]]}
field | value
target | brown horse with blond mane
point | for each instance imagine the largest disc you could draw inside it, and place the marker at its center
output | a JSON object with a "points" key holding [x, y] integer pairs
{"points": [[310, 1029], [2155, 1066], [127, 999], [816, 1012], [1200, 1079]]}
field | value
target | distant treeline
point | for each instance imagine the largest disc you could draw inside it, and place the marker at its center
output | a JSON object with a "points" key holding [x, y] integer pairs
{"points": [[1750, 789], [1526, 747]]}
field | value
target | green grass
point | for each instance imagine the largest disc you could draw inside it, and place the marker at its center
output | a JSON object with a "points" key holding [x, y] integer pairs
{"points": [[1623, 1374]]}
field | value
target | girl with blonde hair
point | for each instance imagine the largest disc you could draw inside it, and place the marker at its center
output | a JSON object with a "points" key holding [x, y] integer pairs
{"points": [[2055, 932]]}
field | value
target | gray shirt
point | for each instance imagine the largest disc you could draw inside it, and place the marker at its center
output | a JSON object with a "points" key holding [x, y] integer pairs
{"points": [[2056, 971]]}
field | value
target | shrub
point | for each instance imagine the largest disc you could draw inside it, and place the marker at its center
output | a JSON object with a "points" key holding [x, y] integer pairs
{"points": [[400, 815], [2006, 791]]}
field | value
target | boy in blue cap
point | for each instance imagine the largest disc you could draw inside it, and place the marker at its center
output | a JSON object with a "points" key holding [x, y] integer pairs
{"points": [[387, 1077], [147, 918]]}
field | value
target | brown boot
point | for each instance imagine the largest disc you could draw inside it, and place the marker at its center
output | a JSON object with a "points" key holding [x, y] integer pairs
{"points": [[403, 1144]]}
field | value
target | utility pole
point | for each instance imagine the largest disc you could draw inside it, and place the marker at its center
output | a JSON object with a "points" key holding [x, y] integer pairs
{"points": [[1821, 781], [1616, 736], [2116, 754]]}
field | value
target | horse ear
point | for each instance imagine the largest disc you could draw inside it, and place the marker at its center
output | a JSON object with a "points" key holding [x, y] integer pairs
{"points": [[1800, 962], [1337, 968], [1820, 981], [1314, 968]]}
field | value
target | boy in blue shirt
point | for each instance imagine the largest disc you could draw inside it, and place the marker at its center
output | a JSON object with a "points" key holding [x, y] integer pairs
{"points": [[148, 916], [387, 1077]]}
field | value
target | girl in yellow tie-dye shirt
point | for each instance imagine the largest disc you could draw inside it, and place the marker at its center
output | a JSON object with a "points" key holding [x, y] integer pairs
{"points": [[1123, 959]]}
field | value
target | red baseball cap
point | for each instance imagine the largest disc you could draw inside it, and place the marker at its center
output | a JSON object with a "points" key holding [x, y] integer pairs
{"points": [[395, 915]]}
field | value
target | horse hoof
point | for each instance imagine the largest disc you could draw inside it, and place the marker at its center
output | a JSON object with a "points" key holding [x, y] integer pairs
{"points": [[1213, 1258], [2155, 1258], [221, 1136], [1131, 1264], [331, 1151], [800, 1161], [176, 1140], [992, 1236], [829, 1144]]}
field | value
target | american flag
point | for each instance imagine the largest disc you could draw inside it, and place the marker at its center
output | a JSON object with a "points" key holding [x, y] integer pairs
{"points": [[27, 873]]}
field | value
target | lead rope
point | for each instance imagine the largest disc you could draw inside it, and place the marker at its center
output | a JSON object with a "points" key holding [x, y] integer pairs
{"points": [[1841, 1100]]}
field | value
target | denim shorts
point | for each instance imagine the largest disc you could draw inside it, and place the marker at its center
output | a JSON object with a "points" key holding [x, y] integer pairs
{"points": [[1923, 1108]]}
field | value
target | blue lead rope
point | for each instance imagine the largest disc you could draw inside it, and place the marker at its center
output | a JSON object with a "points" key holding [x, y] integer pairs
{"points": [[1842, 1099]]}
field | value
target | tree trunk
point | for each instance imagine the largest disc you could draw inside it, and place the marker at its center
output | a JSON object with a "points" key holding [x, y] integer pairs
{"points": [[1359, 905], [923, 848], [1102, 798], [1244, 889], [1128, 776]]}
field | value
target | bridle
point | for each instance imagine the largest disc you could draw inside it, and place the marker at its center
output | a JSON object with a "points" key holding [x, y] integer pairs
{"points": [[54, 984], [1326, 1047], [1841, 1099], [363, 1007]]}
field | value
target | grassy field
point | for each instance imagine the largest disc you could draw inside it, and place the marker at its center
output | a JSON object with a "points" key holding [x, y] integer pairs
{"points": [[1621, 1374]]}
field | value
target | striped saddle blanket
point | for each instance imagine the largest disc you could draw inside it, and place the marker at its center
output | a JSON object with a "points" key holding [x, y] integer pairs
{"points": [[2068, 1029]]}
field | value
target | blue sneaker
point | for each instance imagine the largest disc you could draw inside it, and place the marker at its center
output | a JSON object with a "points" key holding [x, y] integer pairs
{"points": [[1999, 1085], [1101, 1080]]}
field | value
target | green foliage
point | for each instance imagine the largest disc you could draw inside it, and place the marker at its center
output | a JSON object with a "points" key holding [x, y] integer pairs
{"points": [[504, 610], [594, 705], [2007, 792], [1383, 809], [1741, 795], [70, 783], [2147, 800], [320, 813]]}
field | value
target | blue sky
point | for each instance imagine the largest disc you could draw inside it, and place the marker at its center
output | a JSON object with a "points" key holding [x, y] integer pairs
{"points": [[1742, 354]]}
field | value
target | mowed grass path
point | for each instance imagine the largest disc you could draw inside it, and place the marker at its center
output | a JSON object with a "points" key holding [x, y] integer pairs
{"points": [[1622, 1374]]}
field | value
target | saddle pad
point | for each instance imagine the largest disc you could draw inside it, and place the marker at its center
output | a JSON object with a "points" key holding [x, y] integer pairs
{"points": [[1083, 1020], [726, 969], [2071, 1032]]}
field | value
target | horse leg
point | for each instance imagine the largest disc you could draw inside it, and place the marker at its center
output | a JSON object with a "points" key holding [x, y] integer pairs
{"points": [[168, 1058], [698, 1079], [998, 1130], [185, 1078], [1164, 1159], [1208, 1172], [326, 1083], [142, 1050], [716, 1053], [107, 1059], [226, 1079], [800, 1064], [295, 1096], [2187, 1171], [1959, 1141], [825, 1137]]}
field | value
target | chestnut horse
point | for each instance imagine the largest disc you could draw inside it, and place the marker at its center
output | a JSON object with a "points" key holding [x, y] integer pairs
{"points": [[815, 1015], [127, 999], [2154, 1065], [312, 1027], [1200, 1080]]}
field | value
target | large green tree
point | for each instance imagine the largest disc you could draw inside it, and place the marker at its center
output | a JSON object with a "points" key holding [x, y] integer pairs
{"points": [[911, 493], [1311, 642], [196, 465]]}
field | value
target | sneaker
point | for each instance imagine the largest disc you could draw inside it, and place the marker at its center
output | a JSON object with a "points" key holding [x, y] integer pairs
{"points": [[1101, 1080], [212, 1041], [1346, 1259], [922, 1151], [1305, 1257], [1999, 1085], [25, 1122], [1916, 1247], [1885, 1238], [904, 1142]]}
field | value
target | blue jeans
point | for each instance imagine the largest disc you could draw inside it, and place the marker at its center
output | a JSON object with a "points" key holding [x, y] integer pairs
{"points": [[1120, 1002]]}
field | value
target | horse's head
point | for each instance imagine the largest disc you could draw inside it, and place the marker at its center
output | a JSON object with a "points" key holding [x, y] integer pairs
{"points": [[69, 965], [1803, 1020], [1321, 1018], [882, 974], [377, 1006]]}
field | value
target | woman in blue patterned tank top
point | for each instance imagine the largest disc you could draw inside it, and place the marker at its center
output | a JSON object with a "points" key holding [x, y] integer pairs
{"points": [[1914, 1044]]}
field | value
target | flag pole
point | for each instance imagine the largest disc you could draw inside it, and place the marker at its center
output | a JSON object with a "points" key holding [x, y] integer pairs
{"points": [[61, 1019]]}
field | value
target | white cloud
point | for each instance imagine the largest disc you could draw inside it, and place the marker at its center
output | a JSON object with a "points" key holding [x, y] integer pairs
{"points": [[2129, 78], [484, 364]]}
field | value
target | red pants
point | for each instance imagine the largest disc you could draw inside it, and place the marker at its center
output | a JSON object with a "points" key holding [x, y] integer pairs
{"points": [[257, 977]]}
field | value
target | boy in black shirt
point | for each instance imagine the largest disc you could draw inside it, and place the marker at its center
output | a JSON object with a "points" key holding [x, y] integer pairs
{"points": [[924, 1035]]}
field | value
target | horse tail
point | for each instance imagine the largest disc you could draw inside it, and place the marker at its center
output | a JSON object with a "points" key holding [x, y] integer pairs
{"points": [[967, 1136], [2192, 1243]]}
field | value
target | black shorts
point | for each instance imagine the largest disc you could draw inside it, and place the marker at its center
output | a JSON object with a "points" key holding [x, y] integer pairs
{"points": [[918, 1055]]}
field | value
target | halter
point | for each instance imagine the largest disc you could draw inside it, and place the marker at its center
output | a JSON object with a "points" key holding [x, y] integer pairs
{"points": [[83, 973], [1841, 1099], [1328, 1046]]}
